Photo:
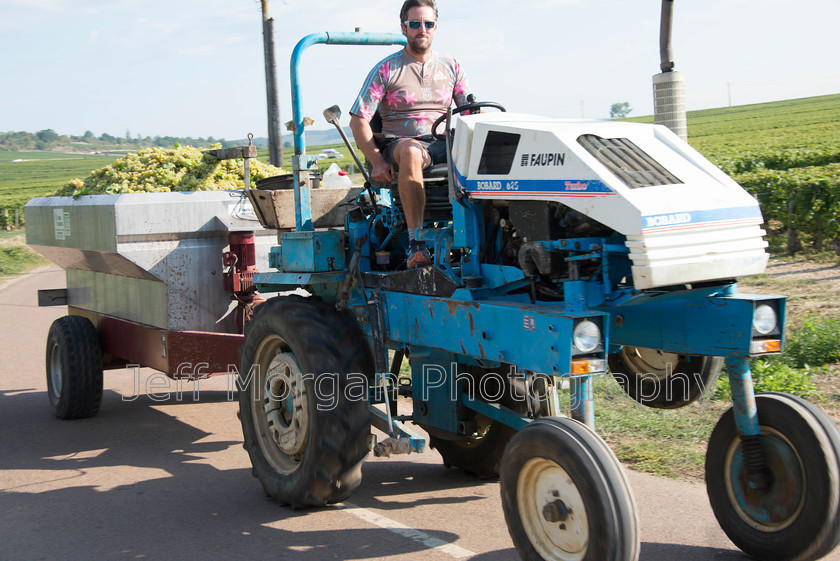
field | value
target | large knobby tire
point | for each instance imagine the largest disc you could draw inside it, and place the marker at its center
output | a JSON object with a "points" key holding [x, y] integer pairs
{"points": [[663, 380], [565, 495], [74, 368], [797, 516], [303, 400]]}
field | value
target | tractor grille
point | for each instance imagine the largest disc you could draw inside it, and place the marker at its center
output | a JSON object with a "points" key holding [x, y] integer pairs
{"points": [[626, 160]]}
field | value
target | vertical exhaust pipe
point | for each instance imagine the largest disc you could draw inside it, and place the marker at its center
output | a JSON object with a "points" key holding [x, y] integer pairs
{"points": [[669, 85], [666, 54]]}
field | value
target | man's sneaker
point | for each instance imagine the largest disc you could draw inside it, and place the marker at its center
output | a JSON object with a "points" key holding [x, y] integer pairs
{"points": [[418, 256]]}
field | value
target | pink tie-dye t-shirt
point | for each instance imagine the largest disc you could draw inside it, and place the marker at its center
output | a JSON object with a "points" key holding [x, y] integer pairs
{"points": [[410, 95]]}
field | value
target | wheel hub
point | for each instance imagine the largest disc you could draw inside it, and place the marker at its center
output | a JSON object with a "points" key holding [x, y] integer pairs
{"points": [[552, 511], [775, 505], [555, 511], [284, 404], [56, 372]]}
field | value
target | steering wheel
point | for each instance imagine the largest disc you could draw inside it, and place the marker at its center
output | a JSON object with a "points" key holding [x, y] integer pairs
{"points": [[461, 109]]}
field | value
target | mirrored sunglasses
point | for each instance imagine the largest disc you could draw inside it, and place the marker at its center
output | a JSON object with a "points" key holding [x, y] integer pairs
{"points": [[415, 24]]}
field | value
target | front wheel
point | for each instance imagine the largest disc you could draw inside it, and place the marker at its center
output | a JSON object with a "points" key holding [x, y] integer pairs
{"points": [[793, 514], [565, 495], [303, 401]]}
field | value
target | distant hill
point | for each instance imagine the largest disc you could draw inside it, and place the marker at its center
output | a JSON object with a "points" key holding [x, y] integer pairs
{"points": [[313, 138]]}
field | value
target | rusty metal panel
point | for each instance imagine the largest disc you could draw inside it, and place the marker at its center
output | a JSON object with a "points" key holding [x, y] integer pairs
{"points": [[534, 337], [178, 354]]}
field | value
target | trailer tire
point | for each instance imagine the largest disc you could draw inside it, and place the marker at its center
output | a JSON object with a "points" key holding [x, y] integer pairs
{"points": [[305, 428], [645, 376], [565, 495], [797, 516], [74, 368]]}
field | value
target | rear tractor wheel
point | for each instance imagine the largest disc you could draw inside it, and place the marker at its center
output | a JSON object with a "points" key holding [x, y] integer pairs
{"points": [[303, 401], [663, 380]]}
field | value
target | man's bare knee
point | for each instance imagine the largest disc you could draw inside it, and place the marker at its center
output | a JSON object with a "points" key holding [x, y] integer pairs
{"points": [[411, 154]]}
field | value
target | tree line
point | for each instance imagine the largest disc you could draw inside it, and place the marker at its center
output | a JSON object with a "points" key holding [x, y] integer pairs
{"points": [[48, 139]]}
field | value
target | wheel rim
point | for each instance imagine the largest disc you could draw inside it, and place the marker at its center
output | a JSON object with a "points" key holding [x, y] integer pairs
{"points": [[775, 508], [279, 405], [56, 372], [648, 362], [552, 511]]}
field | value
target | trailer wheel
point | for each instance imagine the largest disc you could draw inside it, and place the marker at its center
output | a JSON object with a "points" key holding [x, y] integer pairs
{"points": [[74, 368], [303, 401], [565, 495], [796, 515], [663, 380]]}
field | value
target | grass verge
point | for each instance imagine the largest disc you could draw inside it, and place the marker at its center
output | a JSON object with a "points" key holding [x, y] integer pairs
{"points": [[15, 256]]}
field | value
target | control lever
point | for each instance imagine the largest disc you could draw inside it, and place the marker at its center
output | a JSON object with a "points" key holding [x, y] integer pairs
{"points": [[332, 115]]}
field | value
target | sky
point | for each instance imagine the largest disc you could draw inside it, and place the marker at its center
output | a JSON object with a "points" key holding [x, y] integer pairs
{"points": [[196, 67]]}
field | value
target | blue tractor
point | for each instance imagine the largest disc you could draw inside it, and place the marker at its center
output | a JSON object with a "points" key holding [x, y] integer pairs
{"points": [[562, 251]]}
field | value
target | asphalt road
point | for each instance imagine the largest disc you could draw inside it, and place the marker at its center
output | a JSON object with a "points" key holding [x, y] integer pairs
{"points": [[169, 479]]}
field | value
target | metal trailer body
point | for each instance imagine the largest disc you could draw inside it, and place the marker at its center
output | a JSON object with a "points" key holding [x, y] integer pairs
{"points": [[147, 269]]}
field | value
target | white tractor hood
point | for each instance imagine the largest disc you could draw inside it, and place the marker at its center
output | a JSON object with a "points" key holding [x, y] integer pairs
{"points": [[684, 220]]}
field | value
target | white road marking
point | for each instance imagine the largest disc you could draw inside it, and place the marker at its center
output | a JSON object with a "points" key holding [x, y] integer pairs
{"points": [[407, 532]]}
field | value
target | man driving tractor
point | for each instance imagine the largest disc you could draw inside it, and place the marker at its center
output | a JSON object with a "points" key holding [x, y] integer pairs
{"points": [[410, 89]]}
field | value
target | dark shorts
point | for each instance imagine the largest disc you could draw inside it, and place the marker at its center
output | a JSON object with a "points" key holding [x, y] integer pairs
{"points": [[436, 149]]}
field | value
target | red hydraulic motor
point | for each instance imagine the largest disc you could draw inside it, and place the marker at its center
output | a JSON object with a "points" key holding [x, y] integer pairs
{"points": [[240, 264]]}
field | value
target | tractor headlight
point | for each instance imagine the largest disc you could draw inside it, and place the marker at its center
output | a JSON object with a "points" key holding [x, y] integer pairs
{"points": [[765, 319], [587, 336]]}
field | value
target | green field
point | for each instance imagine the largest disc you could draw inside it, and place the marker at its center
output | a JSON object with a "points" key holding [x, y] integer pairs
{"points": [[786, 153], [40, 174]]}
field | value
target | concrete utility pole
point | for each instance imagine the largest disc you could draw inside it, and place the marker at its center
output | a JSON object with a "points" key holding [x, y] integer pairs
{"points": [[275, 139], [669, 86]]}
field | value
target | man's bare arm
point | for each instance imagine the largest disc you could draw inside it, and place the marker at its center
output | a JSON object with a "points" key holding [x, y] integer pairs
{"points": [[362, 133]]}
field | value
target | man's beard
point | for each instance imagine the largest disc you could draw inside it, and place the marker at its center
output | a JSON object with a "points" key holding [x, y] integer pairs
{"points": [[419, 46]]}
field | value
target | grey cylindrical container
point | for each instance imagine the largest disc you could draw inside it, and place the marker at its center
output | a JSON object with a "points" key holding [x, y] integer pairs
{"points": [[669, 102]]}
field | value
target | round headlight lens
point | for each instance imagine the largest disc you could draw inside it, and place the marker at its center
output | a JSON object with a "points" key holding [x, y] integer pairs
{"points": [[586, 336], [765, 319]]}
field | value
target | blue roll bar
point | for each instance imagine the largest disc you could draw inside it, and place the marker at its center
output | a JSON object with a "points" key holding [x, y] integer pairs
{"points": [[303, 211]]}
